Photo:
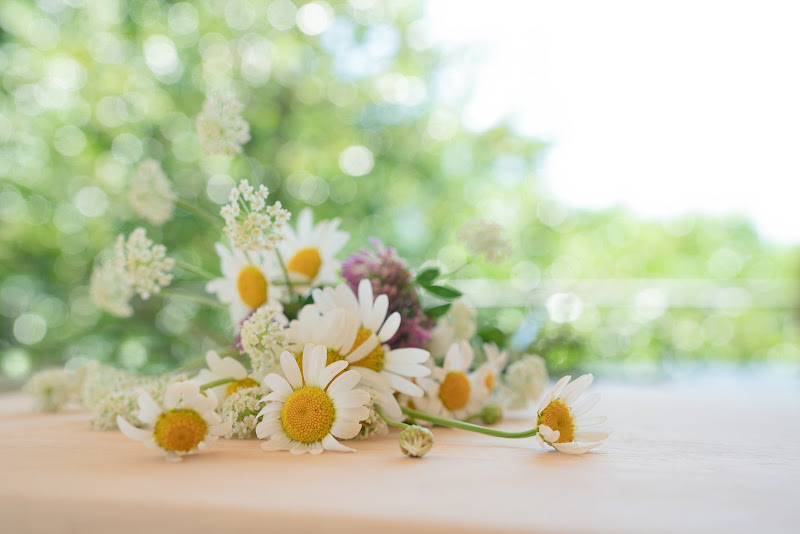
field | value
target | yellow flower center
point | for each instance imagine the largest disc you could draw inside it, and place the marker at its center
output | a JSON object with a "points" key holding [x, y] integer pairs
{"points": [[373, 360], [306, 262], [233, 387], [252, 286], [558, 417], [489, 381], [307, 415], [454, 391], [179, 430]]}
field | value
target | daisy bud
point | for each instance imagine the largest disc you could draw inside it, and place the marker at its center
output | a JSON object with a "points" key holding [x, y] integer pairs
{"points": [[416, 441], [491, 413]]}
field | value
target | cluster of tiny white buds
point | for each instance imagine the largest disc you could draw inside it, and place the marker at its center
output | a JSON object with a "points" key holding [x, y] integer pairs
{"points": [[151, 195], [144, 265], [220, 126], [109, 289], [250, 224], [263, 338], [483, 236]]}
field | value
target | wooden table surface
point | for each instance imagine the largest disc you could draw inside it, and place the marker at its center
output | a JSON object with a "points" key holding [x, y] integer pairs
{"points": [[699, 458]]}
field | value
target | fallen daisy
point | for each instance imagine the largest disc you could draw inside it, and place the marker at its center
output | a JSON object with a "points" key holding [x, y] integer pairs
{"points": [[186, 424]]}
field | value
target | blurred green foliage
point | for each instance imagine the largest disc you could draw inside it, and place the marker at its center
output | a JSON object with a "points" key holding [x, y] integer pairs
{"points": [[91, 87]]}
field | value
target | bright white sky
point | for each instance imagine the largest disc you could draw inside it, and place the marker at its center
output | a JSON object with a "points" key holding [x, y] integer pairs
{"points": [[667, 107]]}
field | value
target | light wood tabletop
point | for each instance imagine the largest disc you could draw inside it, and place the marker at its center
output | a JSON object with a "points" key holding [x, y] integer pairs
{"points": [[683, 458]]}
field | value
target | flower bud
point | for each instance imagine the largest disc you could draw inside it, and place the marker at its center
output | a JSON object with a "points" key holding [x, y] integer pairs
{"points": [[416, 441], [491, 413]]}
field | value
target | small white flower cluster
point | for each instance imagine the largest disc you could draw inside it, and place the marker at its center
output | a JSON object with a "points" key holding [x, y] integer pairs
{"points": [[151, 195], [144, 265], [525, 380], [249, 223], [109, 290], [241, 408], [374, 424], [52, 389], [220, 126], [263, 337], [483, 236], [108, 392]]}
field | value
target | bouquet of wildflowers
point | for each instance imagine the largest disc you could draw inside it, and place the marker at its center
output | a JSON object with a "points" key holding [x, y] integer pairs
{"points": [[323, 351]]}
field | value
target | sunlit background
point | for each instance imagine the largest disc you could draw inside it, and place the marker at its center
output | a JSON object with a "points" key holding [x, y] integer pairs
{"points": [[641, 156]]}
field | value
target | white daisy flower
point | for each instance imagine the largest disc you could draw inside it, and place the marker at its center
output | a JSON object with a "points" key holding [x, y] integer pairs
{"points": [[308, 410], [562, 420], [452, 391], [186, 424], [310, 250], [338, 331], [219, 368], [489, 373], [375, 359], [245, 284]]}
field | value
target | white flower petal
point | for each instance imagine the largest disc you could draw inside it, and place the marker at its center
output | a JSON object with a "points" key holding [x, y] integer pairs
{"points": [[149, 410], [548, 434], [351, 398], [574, 390], [591, 435], [576, 448], [137, 434], [330, 372], [378, 313], [411, 369], [404, 386], [278, 443], [314, 357], [365, 348], [345, 430], [291, 370], [278, 385], [344, 382], [330, 444], [221, 429], [265, 429], [584, 404], [389, 327]]}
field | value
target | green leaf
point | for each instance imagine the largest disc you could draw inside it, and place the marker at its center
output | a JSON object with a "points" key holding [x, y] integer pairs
{"points": [[445, 292], [427, 276], [437, 311]]}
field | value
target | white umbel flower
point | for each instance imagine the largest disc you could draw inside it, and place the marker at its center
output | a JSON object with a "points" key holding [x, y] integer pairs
{"points": [[250, 224], [308, 410], [144, 265], [459, 324], [263, 337], [452, 390], [150, 194], [562, 420], [109, 289], [483, 236], [526, 380], [310, 250], [489, 373], [186, 424], [219, 368], [373, 356], [245, 283], [220, 126]]}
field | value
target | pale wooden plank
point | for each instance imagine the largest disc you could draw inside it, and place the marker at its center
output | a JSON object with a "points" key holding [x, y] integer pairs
{"points": [[691, 459]]}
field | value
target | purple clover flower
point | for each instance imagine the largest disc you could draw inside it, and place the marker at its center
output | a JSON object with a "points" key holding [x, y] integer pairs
{"points": [[389, 275]]}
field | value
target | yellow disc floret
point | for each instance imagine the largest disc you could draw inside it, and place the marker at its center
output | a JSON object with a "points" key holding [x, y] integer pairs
{"points": [[179, 430], [252, 286], [306, 262], [373, 360], [307, 415], [233, 387], [489, 381], [454, 391], [558, 417]]}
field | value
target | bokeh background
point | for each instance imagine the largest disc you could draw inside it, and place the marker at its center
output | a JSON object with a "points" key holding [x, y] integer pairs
{"points": [[604, 154]]}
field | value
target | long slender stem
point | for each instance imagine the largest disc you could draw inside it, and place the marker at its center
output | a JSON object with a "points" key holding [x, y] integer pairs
{"points": [[395, 424], [216, 383], [194, 270], [461, 425], [256, 181], [197, 299], [285, 272], [194, 210]]}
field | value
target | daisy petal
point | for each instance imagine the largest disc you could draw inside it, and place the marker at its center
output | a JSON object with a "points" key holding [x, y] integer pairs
{"points": [[389, 327], [378, 313], [221, 429], [136, 434], [574, 390], [591, 435], [313, 363], [277, 384], [345, 430], [291, 370], [351, 398], [576, 448], [148, 409], [344, 382], [327, 374], [404, 386], [278, 443], [330, 444], [584, 404]]}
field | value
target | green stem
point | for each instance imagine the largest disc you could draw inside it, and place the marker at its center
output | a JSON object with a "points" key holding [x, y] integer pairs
{"points": [[194, 210], [256, 181], [216, 383], [461, 425], [285, 272], [454, 271], [197, 299], [395, 424], [194, 270]]}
